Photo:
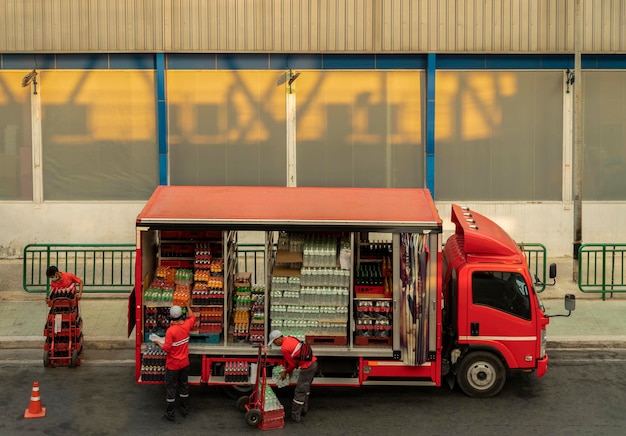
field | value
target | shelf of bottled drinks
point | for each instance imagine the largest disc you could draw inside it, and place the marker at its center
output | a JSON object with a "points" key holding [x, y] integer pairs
{"points": [[323, 288]]}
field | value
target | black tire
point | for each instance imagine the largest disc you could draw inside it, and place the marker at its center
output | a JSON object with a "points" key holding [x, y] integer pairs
{"points": [[46, 359], [242, 402], [481, 374], [74, 360], [234, 392], [254, 417]]}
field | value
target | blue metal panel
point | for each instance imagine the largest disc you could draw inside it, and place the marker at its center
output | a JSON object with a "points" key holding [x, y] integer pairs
{"points": [[331, 61], [349, 62], [296, 61], [265, 61], [191, 61], [131, 61], [430, 122], [27, 61], [400, 62], [82, 61], [557, 62], [161, 118], [503, 62], [244, 61], [464, 62], [608, 62]]}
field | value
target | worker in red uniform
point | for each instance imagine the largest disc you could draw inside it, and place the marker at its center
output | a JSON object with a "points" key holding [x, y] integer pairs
{"points": [[64, 280], [176, 347], [290, 348]]}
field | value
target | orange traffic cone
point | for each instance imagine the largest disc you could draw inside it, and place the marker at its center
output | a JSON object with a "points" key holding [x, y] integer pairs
{"points": [[34, 409]]}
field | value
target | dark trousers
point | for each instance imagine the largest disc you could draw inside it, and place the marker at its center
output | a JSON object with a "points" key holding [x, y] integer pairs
{"points": [[301, 394], [176, 381]]}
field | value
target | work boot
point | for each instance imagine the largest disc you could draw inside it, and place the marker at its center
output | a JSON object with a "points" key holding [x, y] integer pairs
{"points": [[296, 419], [184, 407], [170, 412]]}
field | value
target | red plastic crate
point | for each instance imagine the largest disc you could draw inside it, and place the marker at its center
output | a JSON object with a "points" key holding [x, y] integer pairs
{"points": [[373, 341], [369, 291], [171, 234], [177, 263], [201, 234], [270, 424], [326, 340]]}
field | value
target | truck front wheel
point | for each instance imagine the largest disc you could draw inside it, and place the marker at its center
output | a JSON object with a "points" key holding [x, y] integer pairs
{"points": [[481, 374]]}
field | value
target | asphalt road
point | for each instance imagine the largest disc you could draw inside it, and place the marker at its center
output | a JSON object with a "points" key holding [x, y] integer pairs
{"points": [[582, 394]]}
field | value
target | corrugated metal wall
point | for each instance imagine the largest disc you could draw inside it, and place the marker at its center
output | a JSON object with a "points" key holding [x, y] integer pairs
{"points": [[381, 26]]}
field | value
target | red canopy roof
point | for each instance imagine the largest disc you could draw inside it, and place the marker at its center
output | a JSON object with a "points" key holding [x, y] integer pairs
{"points": [[234, 207]]}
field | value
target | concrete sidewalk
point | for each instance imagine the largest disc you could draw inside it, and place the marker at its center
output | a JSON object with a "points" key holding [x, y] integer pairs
{"points": [[23, 315], [594, 323]]}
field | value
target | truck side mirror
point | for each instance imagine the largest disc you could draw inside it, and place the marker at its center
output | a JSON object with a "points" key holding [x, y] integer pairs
{"points": [[570, 302], [552, 273]]}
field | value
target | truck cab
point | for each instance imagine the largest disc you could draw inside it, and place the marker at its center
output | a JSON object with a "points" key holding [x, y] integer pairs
{"points": [[492, 320]]}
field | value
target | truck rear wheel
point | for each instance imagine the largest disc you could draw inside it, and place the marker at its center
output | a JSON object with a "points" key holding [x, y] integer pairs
{"points": [[481, 374]]}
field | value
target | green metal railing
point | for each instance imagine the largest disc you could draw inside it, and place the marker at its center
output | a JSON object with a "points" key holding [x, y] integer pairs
{"points": [[537, 263], [601, 268], [104, 268], [251, 258], [109, 268]]}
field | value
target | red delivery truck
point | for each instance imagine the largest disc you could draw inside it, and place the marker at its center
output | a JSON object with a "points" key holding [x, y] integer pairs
{"points": [[361, 274]]}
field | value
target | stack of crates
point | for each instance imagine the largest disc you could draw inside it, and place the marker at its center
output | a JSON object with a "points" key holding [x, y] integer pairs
{"points": [[63, 330], [243, 301], [273, 411]]}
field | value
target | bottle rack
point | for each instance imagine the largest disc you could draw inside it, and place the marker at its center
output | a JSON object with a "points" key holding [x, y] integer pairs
{"points": [[373, 289], [63, 330], [257, 315], [207, 293], [373, 270], [156, 320], [153, 364], [242, 304], [309, 290], [190, 267], [374, 322]]}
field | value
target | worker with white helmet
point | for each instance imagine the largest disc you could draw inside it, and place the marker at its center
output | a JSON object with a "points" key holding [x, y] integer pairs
{"points": [[297, 354], [176, 347]]}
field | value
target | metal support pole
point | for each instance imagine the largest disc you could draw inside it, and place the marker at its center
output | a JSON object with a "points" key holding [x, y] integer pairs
{"points": [[290, 109], [578, 139], [36, 135]]}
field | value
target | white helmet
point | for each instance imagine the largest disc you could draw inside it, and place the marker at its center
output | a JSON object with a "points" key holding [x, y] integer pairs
{"points": [[275, 334], [176, 312]]}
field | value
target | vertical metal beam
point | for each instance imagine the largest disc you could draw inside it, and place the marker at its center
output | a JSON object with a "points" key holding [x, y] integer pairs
{"points": [[578, 139], [35, 111], [568, 141], [430, 123], [162, 119], [290, 110]]}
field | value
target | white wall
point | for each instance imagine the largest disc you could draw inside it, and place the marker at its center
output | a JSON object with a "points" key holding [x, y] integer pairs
{"points": [[61, 223], [550, 224]]}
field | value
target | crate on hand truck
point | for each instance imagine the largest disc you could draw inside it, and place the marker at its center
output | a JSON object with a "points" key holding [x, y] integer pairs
{"points": [[63, 330], [262, 408]]}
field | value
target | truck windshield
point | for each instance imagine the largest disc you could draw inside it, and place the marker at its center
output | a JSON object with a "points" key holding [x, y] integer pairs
{"points": [[504, 291]]}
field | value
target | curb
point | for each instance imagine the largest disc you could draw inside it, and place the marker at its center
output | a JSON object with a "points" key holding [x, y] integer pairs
{"points": [[587, 342]]}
